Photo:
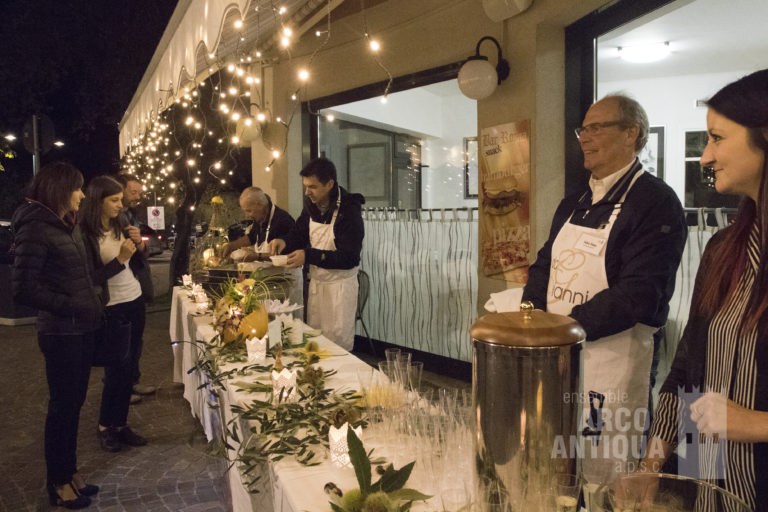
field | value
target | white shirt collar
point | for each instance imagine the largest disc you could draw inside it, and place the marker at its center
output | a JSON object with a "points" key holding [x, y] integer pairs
{"points": [[601, 187]]}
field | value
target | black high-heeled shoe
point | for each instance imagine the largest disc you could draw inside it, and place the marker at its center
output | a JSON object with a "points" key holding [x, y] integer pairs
{"points": [[86, 489], [56, 500]]}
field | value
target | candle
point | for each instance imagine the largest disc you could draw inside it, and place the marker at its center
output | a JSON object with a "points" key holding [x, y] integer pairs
{"points": [[337, 443], [284, 385], [257, 349]]}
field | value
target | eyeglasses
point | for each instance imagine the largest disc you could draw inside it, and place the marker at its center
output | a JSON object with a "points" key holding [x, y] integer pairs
{"points": [[594, 128]]}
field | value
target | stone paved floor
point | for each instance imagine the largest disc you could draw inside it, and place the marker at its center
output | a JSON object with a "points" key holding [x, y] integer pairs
{"points": [[176, 471]]}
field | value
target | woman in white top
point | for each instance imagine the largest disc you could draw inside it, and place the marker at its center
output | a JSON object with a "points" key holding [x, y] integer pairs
{"points": [[111, 251]]}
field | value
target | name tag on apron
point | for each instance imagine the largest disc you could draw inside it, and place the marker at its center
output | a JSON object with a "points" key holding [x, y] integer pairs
{"points": [[590, 244]]}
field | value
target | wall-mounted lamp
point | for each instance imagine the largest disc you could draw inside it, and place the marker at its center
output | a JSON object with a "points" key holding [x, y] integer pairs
{"points": [[477, 77]]}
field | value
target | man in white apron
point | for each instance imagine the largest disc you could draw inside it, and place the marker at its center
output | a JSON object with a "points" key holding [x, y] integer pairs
{"points": [[269, 222], [610, 263], [328, 235]]}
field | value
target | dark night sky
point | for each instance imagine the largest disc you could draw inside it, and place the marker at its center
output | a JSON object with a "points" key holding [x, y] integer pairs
{"points": [[79, 62]]}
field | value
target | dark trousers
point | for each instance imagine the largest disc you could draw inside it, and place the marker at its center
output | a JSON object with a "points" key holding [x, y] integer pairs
{"points": [[118, 380], [68, 360]]}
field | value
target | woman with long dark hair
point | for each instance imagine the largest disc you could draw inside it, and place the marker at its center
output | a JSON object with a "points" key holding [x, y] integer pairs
{"points": [[719, 378], [105, 241], [52, 274]]}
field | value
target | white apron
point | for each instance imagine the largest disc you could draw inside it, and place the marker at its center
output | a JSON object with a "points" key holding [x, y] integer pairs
{"points": [[332, 301], [615, 369], [264, 246]]}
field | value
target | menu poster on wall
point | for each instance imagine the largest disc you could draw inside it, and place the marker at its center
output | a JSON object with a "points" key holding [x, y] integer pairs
{"points": [[505, 179]]}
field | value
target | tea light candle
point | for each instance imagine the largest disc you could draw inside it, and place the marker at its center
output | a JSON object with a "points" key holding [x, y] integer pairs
{"points": [[337, 443], [257, 349], [186, 280], [284, 385], [201, 297], [198, 288]]}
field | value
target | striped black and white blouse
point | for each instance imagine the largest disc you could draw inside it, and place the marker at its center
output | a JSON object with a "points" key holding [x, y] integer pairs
{"points": [[731, 369]]}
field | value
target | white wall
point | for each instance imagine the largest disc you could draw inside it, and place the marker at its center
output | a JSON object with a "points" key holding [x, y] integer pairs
{"points": [[414, 110], [441, 120], [671, 102]]}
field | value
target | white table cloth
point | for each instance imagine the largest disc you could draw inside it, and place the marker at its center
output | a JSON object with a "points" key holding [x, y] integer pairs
{"points": [[288, 486]]}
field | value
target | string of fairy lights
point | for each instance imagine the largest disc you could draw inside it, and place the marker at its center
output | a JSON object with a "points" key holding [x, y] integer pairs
{"points": [[194, 138]]}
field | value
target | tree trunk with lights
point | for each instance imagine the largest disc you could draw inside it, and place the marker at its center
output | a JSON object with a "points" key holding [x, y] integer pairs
{"points": [[180, 257]]}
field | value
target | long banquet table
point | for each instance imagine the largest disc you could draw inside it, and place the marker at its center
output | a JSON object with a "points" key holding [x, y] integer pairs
{"points": [[286, 485]]}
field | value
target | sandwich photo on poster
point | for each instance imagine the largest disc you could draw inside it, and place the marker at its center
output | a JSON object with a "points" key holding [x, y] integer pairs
{"points": [[505, 177]]}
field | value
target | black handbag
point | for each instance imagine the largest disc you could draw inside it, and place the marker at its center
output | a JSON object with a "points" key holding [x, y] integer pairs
{"points": [[112, 341]]}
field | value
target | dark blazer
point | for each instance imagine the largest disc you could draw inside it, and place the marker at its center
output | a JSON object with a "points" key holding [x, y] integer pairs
{"points": [[52, 272], [641, 257], [689, 369], [103, 271]]}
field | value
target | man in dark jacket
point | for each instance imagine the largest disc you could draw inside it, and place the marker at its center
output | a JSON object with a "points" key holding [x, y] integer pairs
{"points": [[328, 235], [139, 264], [269, 222], [610, 263]]}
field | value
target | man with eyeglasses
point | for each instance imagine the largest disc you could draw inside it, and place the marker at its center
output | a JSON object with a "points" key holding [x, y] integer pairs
{"points": [[610, 263]]}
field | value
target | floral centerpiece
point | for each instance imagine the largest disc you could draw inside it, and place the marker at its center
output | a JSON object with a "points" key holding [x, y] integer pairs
{"points": [[239, 310]]}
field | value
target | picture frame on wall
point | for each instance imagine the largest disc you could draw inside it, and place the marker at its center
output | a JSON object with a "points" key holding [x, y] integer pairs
{"points": [[652, 155], [470, 167], [368, 169]]}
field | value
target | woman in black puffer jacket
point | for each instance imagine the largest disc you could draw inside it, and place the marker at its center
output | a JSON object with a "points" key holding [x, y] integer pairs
{"points": [[51, 272]]}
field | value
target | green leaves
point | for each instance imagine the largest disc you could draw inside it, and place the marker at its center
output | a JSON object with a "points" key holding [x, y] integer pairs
{"points": [[392, 482], [360, 461]]}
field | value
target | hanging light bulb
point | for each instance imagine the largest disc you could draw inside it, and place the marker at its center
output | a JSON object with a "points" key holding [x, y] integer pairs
{"points": [[276, 153], [303, 75], [233, 91], [238, 24], [375, 46]]}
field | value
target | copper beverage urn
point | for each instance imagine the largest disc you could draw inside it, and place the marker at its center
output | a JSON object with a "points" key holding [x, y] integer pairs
{"points": [[526, 402]]}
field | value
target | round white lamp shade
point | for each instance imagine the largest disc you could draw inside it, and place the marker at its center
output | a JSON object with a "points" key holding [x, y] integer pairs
{"points": [[247, 130], [477, 79]]}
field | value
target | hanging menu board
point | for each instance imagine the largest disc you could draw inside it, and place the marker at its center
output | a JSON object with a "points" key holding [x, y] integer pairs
{"points": [[505, 178]]}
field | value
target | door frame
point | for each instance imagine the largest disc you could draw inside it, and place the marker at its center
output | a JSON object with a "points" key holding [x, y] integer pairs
{"points": [[581, 74]]}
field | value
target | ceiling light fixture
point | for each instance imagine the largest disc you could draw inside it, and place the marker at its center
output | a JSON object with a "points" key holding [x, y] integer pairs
{"points": [[644, 53]]}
